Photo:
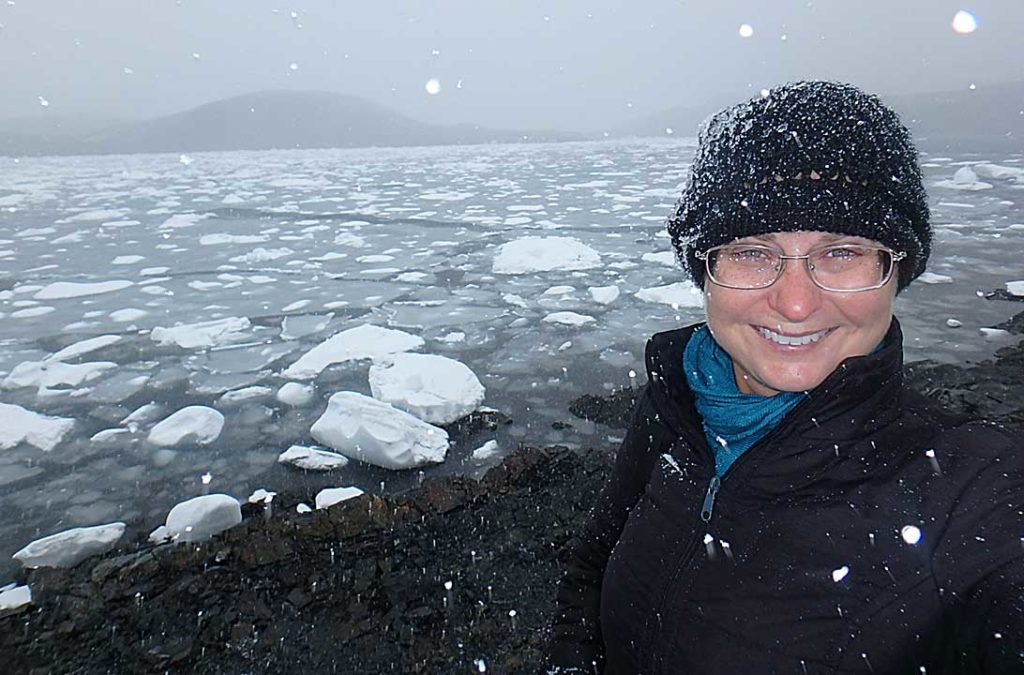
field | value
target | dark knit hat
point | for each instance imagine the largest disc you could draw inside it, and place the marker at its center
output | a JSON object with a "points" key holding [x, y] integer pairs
{"points": [[818, 156]]}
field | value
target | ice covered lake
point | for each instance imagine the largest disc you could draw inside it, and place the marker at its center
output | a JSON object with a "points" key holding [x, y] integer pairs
{"points": [[284, 249]]}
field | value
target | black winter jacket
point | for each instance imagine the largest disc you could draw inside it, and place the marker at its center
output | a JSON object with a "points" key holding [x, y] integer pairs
{"points": [[870, 532]]}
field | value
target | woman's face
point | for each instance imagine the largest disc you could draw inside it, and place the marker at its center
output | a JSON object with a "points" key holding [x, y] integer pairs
{"points": [[852, 324]]}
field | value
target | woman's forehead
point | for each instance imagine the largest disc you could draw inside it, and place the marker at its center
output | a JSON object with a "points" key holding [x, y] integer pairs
{"points": [[803, 239]]}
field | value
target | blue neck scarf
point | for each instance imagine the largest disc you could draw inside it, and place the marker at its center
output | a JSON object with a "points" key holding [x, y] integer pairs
{"points": [[733, 421]]}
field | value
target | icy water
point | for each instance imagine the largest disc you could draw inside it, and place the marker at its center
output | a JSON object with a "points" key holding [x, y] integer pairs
{"points": [[304, 244]]}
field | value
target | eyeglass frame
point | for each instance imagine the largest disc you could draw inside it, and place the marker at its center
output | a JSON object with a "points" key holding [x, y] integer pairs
{"points": [[896, 256]]}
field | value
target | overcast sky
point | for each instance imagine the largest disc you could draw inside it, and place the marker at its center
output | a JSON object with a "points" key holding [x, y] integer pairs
{"points": [[570, 64]]}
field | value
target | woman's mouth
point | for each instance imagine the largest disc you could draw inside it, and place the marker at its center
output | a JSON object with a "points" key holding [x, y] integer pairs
{"points": [[791, 340]]}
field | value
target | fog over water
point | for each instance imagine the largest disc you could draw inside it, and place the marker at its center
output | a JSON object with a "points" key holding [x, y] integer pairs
{"points": [[574, 65]]}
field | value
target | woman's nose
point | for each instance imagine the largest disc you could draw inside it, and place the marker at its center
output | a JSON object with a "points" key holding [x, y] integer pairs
{"points": [[794, 296]]}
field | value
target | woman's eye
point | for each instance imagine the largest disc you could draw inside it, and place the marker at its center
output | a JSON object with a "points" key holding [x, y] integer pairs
{"points": [[841, 253], [750, 254]]}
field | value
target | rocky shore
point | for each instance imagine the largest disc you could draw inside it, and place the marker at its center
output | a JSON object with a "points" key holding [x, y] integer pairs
{"points": [[456, 576]]}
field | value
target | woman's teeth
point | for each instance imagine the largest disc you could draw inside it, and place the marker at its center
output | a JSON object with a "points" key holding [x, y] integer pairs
{"points": [[791, 340]]}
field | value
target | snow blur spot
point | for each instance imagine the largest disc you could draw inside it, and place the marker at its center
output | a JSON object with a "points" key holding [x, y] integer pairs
{"points": [[746, 30], [840, 574], [433, 86], [964, 22], [911, 534]]}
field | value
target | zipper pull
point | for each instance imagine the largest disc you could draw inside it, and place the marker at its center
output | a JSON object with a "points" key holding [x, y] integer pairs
{"points": [[709, 499]]}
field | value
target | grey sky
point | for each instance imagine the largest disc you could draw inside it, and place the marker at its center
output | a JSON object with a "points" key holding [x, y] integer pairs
{"points": [[571, 64]]}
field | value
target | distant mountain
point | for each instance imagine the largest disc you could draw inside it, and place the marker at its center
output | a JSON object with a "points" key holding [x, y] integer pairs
{"points": [[267, 120], [989, 118]]}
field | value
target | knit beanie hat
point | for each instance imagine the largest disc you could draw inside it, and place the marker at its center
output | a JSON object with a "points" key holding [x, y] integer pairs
{"points": [[817, 156]]}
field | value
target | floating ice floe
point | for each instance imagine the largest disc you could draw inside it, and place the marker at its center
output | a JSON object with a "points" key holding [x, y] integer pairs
{"points": [[328, 497], [998, 172], [375, 432], [199, 518], [679, 294], [486, 451], [46, 375], [219, 238], [933, 278], [568, 319], [312, 459], [202, 334], [260, 254], [127, 315], [193, 424], [666, 258], [544, 254], [21, 425], [295, 394], [964, 179], [13, 597], [70, 547], [180, 220], [362, 342], [127, 259], [434, 388], [72, 289], [1015, 288], [84, 347], [251, 393], [604, 295]]}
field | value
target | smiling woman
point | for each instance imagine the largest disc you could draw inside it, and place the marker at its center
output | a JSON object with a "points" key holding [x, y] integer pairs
{"points": [[781, 503]]}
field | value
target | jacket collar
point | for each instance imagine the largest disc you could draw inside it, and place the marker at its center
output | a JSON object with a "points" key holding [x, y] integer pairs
{"points": [[859, 397]]}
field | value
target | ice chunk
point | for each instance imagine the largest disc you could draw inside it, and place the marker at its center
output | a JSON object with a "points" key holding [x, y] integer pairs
{"points": [[202, 334], [245, 394], [295, 394], [434, 388], [199, 518], [312, 459], [544, 254], [568, 319], [330, 496], [933, 278], [179, 220], [997, 172], [260, 254], [14, 597], [666, 258], [375, 432], [679, 294], [127, 315], [363, 342], [127, 259], [70, 547], [219, 238], [1015, 288], [31, 427], [72, 289], [604, 295], [49, 374], [84, 347], [193, 424], [261, 496], [486, 451]]}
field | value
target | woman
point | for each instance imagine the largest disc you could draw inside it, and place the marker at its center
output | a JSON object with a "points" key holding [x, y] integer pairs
{"points": [[781, 503]]}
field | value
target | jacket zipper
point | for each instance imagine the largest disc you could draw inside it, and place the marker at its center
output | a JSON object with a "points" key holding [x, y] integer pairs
{"points": [[709, 499]]}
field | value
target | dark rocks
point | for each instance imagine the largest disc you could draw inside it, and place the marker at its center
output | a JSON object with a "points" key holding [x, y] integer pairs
{"points": [[1014, 324], [613, 411]]}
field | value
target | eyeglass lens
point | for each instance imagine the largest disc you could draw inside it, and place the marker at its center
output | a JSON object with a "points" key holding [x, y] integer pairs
{"points": [[835, 267]]}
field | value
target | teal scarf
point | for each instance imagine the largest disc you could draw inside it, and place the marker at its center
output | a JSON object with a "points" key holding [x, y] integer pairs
{"points": [[733, 421]]}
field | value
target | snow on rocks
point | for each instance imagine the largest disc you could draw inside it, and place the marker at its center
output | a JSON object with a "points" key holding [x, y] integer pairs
{"points": [[362, 342], [261, 496], [568, 319], [434, 388], [21, 425], [604, 295], [295, 394], [199, 518], [72, 289], [202, 334], [679, 294], [328, 497], [544, 254], [13, 597], [70, 547], [312, 459], [375, 432], [193, 424]]}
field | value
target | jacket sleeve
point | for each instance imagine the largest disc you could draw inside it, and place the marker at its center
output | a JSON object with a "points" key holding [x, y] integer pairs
{"points": [[576, 644], [979, 562]]}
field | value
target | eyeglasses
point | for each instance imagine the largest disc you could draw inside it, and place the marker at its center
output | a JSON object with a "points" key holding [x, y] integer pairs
{"points": [[844, 268]]}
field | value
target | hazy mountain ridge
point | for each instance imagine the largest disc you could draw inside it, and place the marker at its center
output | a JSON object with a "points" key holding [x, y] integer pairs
{"points": [[261, 121], [986, 119]]}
